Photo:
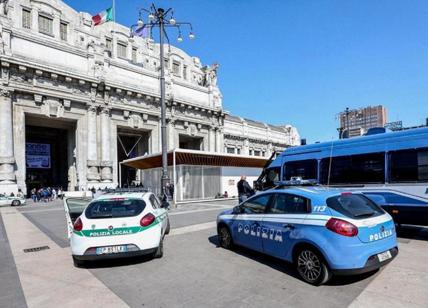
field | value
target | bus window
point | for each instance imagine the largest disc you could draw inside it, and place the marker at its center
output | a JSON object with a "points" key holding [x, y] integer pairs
{"points": [[355, 169], [306, 169], [408, 166]]}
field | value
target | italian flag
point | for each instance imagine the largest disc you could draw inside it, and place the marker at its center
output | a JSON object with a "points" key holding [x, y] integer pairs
{"points": [[102, 17]]}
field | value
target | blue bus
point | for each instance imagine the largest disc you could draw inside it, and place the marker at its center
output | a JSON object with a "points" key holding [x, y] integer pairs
{"points": [[390, 168]]}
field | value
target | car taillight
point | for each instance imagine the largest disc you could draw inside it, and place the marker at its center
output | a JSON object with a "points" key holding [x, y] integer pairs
{"points": [[341, 227], [147, 220], [78, 225]]}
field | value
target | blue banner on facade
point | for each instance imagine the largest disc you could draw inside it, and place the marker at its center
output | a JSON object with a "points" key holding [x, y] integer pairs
{"points": [[38, 155]]}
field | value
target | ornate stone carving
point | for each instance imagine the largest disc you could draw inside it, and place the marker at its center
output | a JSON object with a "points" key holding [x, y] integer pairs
{"points": [[5, 72], [210, 75], [105, 111], [52, 108], [134, 120], [92, 108], [106, 174], [5, 92]]}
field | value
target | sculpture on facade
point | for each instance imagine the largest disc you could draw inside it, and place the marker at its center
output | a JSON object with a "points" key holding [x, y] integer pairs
{"points": [[210, 75], [4, 7], [72, 177]]}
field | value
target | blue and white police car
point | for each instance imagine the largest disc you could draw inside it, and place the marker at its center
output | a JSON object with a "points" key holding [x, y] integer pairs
{"points": [[322, 231]]}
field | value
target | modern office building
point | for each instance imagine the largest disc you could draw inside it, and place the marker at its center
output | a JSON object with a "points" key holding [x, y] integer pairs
{"points": [[356, 122]]}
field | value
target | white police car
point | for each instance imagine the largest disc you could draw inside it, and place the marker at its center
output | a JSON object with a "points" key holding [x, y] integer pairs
{"points": [[322, 231], [116, 225]]}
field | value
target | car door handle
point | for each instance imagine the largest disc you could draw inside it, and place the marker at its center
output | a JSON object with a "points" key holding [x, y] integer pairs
{"points": [[288, 226]]}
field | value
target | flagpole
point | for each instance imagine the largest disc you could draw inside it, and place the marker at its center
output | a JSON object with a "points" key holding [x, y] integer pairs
{"points": [[114, 16]]}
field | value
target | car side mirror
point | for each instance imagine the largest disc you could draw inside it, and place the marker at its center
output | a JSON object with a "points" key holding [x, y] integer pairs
{"points": [[237, 210]]}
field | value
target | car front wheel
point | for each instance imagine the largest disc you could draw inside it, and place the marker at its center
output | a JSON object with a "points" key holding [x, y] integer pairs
{"points": [[312, 267], [224, 237], [16, 203]]}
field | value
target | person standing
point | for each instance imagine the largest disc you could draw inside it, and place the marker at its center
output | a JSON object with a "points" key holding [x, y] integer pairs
{"points": [[244, 189]]}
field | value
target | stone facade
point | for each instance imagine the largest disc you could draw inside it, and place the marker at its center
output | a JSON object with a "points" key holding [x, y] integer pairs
{"points": [[248, 137], [57, 70]]}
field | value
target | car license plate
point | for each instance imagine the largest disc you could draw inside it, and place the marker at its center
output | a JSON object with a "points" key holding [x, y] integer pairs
{"points": [[111, 249], [384, 256]]}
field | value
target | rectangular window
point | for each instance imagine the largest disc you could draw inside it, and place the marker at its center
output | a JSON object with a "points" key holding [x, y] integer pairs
{"points": [[109, 44], [408, 166], [256, 153], [134, 55], [26, 18], [230, 150], [356, 169], [289, 204], [45, 25], [238, 151], [306, 169], [256, 205], [355, 206], [115, 208], [63, 31], [176, 68], [185, 72], [121, 50]]}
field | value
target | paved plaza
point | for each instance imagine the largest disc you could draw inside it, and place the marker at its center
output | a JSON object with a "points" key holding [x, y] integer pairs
{"points": [[194, 271]]}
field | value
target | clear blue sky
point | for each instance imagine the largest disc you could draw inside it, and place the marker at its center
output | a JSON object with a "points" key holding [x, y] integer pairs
{"points": [[301, 62]]}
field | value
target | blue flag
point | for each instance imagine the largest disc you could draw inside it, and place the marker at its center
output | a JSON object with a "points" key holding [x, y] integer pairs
{"points": [[141, 31]]}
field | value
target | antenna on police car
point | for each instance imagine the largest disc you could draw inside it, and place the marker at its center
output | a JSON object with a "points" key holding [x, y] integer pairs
{"points": [[329, 164]]}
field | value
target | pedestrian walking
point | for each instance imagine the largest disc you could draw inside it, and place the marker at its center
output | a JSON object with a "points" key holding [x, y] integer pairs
{"points": [[34, 194], [244, 189]]}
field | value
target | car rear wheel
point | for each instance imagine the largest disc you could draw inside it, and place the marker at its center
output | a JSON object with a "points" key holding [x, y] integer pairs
{"points": [[168, 227], [159, 251], [16, 203], [312, 267], [224, 237]]}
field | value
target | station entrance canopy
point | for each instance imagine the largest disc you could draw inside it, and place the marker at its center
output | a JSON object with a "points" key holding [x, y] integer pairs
{"points": [[196, 158], [197, 174]]}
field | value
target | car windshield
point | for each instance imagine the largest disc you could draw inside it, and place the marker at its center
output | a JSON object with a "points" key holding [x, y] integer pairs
{"points": [[113, 208], [354, 206]]}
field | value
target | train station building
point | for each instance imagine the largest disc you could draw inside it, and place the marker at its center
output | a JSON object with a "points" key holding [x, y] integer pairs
{"points": [[75, 100]]}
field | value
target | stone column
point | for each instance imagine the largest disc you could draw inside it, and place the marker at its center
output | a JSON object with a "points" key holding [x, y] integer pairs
{"points": [[106, 163], [246, 147], [171, 134], [7, 159], [219, 140], [92, 161], [211, 139], [19, 145]]}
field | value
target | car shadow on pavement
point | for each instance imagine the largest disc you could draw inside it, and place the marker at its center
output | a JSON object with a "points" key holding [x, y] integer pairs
{"points": [[287, 267], [412, 232], [127, 261]]}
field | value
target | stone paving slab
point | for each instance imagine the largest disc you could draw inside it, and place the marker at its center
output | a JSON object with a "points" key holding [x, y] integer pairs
{"points": [[11, 294], [403, 283], [48, 277]]}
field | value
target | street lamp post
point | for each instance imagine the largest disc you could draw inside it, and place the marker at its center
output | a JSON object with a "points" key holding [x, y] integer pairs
{"points": [[158, 18]]}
